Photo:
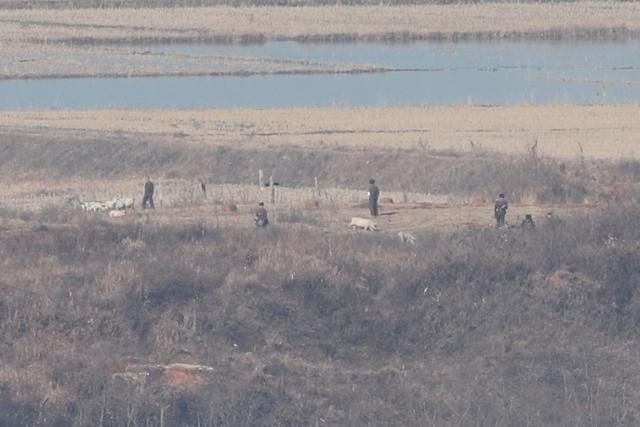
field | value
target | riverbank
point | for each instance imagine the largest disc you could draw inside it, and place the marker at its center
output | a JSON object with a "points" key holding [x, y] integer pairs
{"points": [[576, 20], [118, 42]]}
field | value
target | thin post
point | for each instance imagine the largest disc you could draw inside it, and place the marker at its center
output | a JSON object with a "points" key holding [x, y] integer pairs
{"points": [[260, 179], [315, 181], [273, 190]]}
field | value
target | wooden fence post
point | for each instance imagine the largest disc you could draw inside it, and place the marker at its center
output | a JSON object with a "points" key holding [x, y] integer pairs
{"points": [[315, 181], [273, 190]]}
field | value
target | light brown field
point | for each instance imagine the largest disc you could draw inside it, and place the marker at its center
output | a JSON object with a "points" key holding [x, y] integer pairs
{"points": [[42, 43], [499, 19], [181, 202], [565, 131], [28, 61]]}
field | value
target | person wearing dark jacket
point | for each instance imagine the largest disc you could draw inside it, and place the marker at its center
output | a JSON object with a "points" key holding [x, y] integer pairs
{"points": [[148, 194], [500, 209], [261, 219], [374, 193]]}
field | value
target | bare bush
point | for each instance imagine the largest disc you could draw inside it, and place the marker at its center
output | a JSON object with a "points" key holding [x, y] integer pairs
{"points": [[297, 325]]}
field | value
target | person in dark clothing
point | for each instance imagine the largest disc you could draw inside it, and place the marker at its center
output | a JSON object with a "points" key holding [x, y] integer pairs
{"points": [[261, 219], [148, 194], [374, 193], [500, 209], [527, 222]]}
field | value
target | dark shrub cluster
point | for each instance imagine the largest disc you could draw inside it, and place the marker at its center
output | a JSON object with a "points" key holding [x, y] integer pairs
{"points": [[502, 326]]}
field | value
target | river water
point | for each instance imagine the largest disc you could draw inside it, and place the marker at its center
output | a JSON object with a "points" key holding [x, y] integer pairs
{"points": [[428, 73]]}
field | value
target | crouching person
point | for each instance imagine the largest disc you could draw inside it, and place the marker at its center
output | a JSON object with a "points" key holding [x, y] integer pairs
{"points": [[261, 219]]}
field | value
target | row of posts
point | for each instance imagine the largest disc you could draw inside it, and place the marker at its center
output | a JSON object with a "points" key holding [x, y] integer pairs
{"points": [[273, 187]]}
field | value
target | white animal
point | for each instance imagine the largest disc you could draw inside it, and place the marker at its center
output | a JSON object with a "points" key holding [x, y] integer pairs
{"points": [[407, 237], [363, 223], [117, 213], [114, 204], [120, 203], [94, 206]]}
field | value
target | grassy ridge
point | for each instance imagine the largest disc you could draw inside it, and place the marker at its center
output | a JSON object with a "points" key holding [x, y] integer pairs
{"points": [[480, 326], [424, 171]]}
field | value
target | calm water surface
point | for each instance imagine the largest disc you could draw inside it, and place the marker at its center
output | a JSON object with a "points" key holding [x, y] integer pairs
{"points": [[428, 74]]}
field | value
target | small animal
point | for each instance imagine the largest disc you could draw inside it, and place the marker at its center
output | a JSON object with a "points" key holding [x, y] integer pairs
{"points": [[116, 213], [407, 237], [363, 223], [114, 204]]}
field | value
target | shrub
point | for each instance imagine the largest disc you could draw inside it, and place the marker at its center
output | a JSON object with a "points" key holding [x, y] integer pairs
{"points": [[294, 320]]}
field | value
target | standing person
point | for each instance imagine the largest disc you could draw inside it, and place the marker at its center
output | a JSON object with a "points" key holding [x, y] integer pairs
{"points": [[261, 219], [500, 209], [374, 193], [148, 194]]}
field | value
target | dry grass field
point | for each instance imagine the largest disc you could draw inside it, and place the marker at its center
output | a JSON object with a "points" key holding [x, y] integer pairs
{"points": [[442, 166], [494, 20], [46, 43], [562, 131], [187, 315], [26, 61]]}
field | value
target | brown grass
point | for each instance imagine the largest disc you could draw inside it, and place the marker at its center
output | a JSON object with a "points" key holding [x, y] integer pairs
{"points": [[48, 43], [358, 22], [563, 131], [27, 61], [306, 322], [502, 327], [418, 154], [151, 4]]}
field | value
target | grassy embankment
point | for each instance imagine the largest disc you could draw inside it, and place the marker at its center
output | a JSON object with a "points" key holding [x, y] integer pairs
{"points": [[462, 152]]}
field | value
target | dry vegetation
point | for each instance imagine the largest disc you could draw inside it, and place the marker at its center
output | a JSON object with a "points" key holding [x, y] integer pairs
{"points": [[293, 326], [434, 155], [188, 316], [153, 4], [26, 61], [42, 42], [370, 22], [562, 131]]}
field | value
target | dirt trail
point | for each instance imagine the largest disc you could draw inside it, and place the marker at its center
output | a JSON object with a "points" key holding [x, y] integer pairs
{"points": [[181, 202], [412, 218]]}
